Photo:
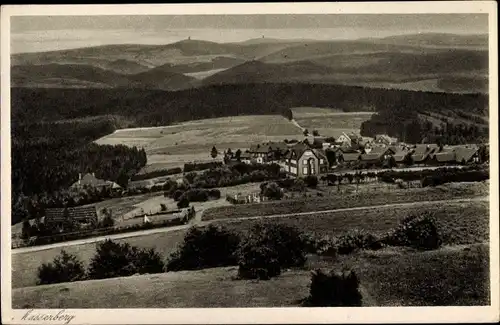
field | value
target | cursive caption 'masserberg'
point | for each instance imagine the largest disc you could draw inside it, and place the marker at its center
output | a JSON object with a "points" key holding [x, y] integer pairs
{"points": [[59, 316]]}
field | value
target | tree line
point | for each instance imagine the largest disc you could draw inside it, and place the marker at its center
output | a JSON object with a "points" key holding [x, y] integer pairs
{"points": [[47, 158]]}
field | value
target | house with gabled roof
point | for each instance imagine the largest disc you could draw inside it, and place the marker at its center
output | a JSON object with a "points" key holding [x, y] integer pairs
{"points": [[467, 154], [267, 152], [402, 156], [90, 181], [385, 139], [421, 153], [349, 157], [302, 160], [349, 140]]}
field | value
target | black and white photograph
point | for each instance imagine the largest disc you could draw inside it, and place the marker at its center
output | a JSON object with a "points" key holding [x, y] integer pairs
{"points": [[177, 157]]}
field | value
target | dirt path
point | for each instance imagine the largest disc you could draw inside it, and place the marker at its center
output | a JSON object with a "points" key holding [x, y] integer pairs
{"points": [[197, 221]]}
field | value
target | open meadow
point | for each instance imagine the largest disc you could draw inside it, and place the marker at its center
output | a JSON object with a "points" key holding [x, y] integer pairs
{"points": [[388, 277], [462, 223], [172, 146], [329, 122], [341, 201]]}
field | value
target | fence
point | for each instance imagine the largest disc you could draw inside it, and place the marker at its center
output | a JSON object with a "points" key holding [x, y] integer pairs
{"points": [[245, 199]]}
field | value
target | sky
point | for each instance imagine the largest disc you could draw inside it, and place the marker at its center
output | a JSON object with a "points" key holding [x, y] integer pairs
{"points": [[43, 33]]}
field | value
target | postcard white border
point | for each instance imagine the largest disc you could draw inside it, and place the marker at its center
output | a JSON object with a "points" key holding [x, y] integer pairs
{"points": [[256, 315]]}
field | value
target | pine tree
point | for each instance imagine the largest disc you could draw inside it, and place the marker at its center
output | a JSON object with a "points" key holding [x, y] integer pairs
{"points": [[214, 152]]}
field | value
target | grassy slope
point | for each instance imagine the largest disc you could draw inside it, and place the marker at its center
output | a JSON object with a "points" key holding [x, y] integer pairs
{"points": [[389, 278], [340, 201], [467, 228]]}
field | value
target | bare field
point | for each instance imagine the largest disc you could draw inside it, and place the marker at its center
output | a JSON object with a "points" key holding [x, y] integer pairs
{"points": [[389, 277], [329, 122], [172, 146]]}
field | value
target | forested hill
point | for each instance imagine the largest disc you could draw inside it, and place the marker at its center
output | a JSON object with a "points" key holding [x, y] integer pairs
{"points": [[151, 107]]}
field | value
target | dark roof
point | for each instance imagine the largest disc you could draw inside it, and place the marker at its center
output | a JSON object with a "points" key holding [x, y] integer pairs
{"points": [[370, 156], [425, 149], [245, 155], [77, 213], [351, 156], [465, 154], [400, 155], [381, 150], [446, 156], [320, 154]]}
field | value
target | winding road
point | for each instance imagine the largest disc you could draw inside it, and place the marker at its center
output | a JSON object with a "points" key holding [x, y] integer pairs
{"points": [[197, 221]]}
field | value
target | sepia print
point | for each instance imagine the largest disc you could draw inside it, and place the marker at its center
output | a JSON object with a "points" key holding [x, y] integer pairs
{"points": [[253, 159]]}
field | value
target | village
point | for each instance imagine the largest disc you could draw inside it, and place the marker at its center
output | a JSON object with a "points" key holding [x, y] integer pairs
{"points": [[312, 157]]}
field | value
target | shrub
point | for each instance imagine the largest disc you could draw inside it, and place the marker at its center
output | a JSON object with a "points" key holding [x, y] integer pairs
{"points": [[257, 262], [203, 248], [268, 244], [334, 290], [64, 268], [311, 181], [115, 260], [183, 203], [107, 222], [418, 231], [177, 195], [355, 240], [27, 230], [272, 191]]}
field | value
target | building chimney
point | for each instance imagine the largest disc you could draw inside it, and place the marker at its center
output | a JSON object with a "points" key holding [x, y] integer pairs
{"points": [[79, 178], [93, 174]]}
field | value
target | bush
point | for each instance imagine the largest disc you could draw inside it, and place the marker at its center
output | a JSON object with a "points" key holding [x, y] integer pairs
{"points": [[272, 191], [418, 231], [183, 203], [334, 290], [115, 260], [203, 248], [107, 222], [311, 181], [27, 230], [64, 268], [267, 246], [257, 262], [355, 240], [189, 167], [177, 195]]}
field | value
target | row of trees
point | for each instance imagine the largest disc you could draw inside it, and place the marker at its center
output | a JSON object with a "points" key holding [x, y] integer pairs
{"points": [[147, 107], [401, 122], [47, 158]]}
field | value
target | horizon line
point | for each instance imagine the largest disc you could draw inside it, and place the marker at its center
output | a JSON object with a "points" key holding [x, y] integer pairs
{"points": [[257, 38]]}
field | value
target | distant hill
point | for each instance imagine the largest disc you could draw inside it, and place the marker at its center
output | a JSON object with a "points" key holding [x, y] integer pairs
{"points": [[438, 40], [308, 51], [84, 76], [161, 78], [426, 62], [259, 72], [219, 62], [65, 75]]}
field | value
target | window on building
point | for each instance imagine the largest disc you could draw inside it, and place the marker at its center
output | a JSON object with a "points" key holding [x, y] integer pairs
{"points": [[304, 170], [321, 161]]}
